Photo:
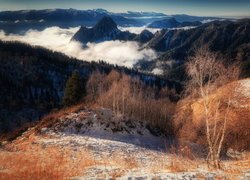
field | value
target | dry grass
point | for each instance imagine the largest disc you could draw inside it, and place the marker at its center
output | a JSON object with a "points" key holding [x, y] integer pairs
{"points": [[237, 166], [26, 159], [183, 164], [119, 160], [37, 162]]}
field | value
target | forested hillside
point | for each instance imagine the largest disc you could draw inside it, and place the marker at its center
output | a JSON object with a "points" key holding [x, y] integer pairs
{"points": [[33, 81]]}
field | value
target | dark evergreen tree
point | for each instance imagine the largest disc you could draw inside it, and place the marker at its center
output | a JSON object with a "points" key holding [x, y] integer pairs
{"points": [[73, 90]]}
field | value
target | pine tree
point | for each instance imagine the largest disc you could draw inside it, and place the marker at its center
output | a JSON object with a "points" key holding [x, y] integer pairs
{"points": [[73, 90]]}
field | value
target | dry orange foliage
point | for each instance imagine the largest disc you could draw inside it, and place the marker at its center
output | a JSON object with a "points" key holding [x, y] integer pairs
{"points": [[43, 163]]}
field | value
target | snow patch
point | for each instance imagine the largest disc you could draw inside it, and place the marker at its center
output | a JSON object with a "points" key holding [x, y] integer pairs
{"points": [[244, 88], [241, 97], [107, 127]]}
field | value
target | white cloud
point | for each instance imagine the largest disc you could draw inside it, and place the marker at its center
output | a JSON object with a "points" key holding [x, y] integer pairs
{"points": [[211, 20], [58, 39], [116, 52], [138, 30], [157, 71]]}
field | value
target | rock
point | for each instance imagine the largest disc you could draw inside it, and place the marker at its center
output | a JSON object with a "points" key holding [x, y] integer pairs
{"points": [[43, 130], [3, 143], [235, 154]]}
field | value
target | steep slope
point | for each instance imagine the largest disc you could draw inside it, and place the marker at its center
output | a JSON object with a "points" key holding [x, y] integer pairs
{"points": [[144, 36], [33, 81], [190, 124], [226, 37], [229, 38]]}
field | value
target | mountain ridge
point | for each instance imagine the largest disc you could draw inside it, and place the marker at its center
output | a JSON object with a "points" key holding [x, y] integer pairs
{"points": [[173, 23], [22, 20], [106, 29], [225, 37]]}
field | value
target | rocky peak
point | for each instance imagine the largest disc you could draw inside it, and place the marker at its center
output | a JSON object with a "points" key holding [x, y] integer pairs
{"points": [[106, 24]]}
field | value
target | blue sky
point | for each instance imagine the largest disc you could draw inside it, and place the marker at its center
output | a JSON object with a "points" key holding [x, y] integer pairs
{"points": [[192, 7]]}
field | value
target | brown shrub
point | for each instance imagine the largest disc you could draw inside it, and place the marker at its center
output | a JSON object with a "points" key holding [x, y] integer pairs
{"points": [[189, 124]]}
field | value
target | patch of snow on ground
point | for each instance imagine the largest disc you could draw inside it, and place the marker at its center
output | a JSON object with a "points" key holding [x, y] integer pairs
{"points": [[244, 87], [99, 128], [242, 94]]}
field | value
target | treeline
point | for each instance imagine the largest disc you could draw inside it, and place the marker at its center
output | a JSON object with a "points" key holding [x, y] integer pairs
{"points": [[131, 97]]}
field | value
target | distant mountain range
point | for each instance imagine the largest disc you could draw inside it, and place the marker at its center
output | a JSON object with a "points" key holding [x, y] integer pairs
{"points": [[88, 17], [23, 20], [172, 23]]}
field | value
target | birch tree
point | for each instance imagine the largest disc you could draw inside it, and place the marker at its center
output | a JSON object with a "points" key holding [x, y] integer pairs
{"points": [[207, 71]]}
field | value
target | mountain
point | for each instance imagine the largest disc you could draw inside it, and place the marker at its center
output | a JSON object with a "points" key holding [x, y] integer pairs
{"points": [[106, 29], [145, 17], [230, 38], [172, 23], [150, 17], [64, 15], [188, 18], [144, 36], [134, 14], [186, 23], [227, 37], [166, 23], [22, 20]]}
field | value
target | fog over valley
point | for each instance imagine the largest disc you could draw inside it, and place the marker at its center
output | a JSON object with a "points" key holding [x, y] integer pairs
{"points": [[123, 53]]}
